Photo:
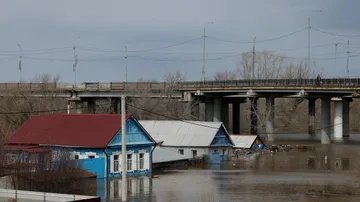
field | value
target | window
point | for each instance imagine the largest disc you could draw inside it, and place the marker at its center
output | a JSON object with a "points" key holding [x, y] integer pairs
{"points": [[76, 156], [116, 163], [91, 156], [181, 151], [223, 152], [194, 153], [129, 161], [141, 161]]}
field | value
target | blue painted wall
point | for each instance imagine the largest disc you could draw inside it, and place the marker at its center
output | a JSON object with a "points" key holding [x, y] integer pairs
{"points": [[134, 135], [136, 139], [221, 139]]}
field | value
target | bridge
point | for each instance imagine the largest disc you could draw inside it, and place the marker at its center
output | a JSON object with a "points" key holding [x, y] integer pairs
{"points": [[217, 95]]}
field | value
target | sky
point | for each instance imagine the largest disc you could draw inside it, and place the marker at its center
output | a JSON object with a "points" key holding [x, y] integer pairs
{"points": [[164, 36]]}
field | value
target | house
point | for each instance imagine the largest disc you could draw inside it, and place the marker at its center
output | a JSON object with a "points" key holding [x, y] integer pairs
{"points": [[191, 139], [94, 140], [246, 141]]}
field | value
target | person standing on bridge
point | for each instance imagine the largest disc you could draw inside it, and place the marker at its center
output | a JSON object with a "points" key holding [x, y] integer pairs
{"points": [[318, 80]]}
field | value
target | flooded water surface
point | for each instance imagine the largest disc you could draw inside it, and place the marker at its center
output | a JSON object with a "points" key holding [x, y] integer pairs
{"points": [[324, 173]]}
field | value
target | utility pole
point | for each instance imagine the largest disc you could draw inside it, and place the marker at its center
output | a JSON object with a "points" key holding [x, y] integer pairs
{"points": [[74, 65], [203, 68], [336, 45], [123, 149], [126, 64], [347, 59], [309, 28], [204, 59], [20, 60], [253, 62]]}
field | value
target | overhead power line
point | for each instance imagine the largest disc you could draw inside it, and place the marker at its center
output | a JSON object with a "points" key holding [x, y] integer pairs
{"points": [[260, 41], [141, 50], [334, 34]]}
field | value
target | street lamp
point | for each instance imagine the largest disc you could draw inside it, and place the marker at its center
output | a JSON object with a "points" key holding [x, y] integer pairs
{"points": [[309, 28], [20, 58], [75, 62], [204, 37]]}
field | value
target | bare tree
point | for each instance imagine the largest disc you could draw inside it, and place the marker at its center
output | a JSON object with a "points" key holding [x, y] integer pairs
{"points": [[164, 106], [269, 65], [50, 172]]}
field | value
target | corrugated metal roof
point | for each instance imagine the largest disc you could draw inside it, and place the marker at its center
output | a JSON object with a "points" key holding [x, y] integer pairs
{"points": [[162, 155], [89, 130], [181, 133], [243, 141]]}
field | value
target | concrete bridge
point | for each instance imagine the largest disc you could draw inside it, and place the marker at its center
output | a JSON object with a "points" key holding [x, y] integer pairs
{"points": [[217, 95]]}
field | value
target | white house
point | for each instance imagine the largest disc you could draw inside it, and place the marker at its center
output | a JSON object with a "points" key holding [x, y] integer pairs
{"points": [[190, 139], [246, 141]]}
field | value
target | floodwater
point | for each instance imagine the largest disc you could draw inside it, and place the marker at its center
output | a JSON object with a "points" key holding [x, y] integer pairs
{"points": [[327, 173]]}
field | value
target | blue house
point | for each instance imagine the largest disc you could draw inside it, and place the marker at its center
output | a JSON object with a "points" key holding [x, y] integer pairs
{"points": [[92, 139]]}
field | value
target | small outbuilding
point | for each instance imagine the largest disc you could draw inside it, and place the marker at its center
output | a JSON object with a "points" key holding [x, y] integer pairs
{"points": [[247, 141], [190, 139]]}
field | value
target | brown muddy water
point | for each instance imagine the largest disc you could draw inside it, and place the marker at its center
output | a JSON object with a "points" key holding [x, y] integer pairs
{"points": [[328, 173]]}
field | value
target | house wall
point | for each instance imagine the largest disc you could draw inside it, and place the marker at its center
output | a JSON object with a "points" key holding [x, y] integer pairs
{"points": [[188, 151], [138, 143]]}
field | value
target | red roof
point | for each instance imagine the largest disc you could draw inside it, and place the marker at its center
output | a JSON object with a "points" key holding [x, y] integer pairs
{"points": [[85, 130], [26, 148]]}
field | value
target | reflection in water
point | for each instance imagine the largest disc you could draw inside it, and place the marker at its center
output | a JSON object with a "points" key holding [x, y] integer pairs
{"points": [[284, 176]]}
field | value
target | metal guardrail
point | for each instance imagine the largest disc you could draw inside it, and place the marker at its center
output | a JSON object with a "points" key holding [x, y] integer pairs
{"points": [[337, 82]]}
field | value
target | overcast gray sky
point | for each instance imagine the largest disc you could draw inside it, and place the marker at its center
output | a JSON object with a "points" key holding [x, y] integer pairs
{"points": [[100, 31]]}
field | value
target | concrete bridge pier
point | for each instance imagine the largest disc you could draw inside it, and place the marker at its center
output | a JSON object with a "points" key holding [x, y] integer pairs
{"points": [[225, 113], [346, 117], [270, 115], [325, 120], [311, 116], [338, 119], [79, 105], [91, 106], [209, 110], [253, 115], [217, 109], [236, 117]]}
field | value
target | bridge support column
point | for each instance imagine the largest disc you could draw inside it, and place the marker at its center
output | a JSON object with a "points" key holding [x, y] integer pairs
{"points": [[114, 103], [325, 121], [225, 113], [79, 105], [270, 115], [209, 111], [91, 106], [236, 117], [253, 115], [311, 116], [346, 117], [195, 109], [338, 120], [217, 110]]}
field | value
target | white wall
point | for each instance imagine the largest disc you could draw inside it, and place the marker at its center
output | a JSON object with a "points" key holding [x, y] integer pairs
{"points": [[188, 151], [5, 182]]}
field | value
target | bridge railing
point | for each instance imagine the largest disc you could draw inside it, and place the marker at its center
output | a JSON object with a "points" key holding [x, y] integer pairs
{"points": [[336, 82]]}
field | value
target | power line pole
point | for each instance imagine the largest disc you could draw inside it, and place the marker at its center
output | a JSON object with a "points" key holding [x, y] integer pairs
{"points": [[203, 69], [126, 65], [74, 65], [309, 28], [347, 60], [253, 62], [20, 60], [123, 149], [336, 45]]}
